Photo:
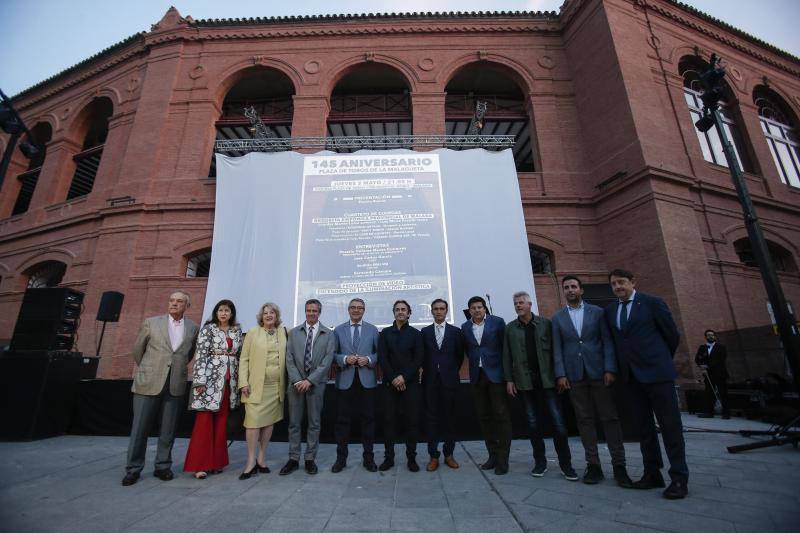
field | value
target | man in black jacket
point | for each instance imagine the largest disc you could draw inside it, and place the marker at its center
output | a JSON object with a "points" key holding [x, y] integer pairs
{"points": [[711, 358], [444, 354], [400, 356]]}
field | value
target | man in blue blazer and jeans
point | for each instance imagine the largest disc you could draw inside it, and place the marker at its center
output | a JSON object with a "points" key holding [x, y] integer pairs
{"points": [[585, 364], [646, 337]]}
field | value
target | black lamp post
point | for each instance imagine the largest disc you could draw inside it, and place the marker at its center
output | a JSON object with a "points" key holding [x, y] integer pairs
{"points": [[11, 123]]}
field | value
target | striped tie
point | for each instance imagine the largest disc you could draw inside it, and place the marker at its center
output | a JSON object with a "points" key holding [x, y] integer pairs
{"points": [[307, 356]]}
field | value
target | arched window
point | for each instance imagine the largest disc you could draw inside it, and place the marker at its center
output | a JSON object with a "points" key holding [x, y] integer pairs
{"points": [[541, 260], [781, 257], [506, 112], [690, 68], [198, 264], [46, 274], [779, 125], [40, 136], [94, 124]]}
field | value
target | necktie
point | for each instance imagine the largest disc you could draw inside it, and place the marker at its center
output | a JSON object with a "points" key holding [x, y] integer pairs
{"points": [[439, 335], [623, 315], [307, 356], [356, 336]]}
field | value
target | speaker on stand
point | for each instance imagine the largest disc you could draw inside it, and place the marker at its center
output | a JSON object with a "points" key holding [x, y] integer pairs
{"points": [[109, 310]]}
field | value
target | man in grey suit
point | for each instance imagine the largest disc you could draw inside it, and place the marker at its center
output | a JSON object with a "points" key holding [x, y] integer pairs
{"points": [[356, 357], [309, 354], [161, 351], [585, 364]]}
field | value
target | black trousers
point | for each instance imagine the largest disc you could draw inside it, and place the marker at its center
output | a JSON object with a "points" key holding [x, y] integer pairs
{"points": [[659, 398], [356, 399], [409, 402], [440, 404], [722, 389], [494, 415]]}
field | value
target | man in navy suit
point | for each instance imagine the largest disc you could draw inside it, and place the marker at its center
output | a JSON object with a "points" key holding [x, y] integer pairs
{"points": [[646, 337], [483, 338], [585, 364], [444, 353], [355, 356]]}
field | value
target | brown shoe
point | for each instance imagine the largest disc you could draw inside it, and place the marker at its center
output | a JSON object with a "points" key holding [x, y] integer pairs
{"points": [[450, 461], [433, 465]]}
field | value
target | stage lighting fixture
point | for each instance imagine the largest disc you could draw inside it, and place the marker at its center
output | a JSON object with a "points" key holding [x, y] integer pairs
{"points": [[705, 123], [29, 149], [9, 121]]}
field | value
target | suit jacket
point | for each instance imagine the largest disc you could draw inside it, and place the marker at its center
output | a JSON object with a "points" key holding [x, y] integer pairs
{"points": [[367, 346], [210, 367], [489, 351], [587, 354], [716, 360], [253, 363], [155, 357], [445, 361], [321, 355], [646, 346], [516, 368]]}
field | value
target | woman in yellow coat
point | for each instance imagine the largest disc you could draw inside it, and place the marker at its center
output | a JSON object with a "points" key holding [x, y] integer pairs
{"points": [[262, 381]]}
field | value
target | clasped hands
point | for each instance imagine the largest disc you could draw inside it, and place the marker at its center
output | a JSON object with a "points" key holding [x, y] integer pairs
{"points": [[359, 360], [562, 383]]}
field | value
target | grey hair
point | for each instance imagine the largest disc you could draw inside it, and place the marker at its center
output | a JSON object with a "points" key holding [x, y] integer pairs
{"points": [[524, 295], [185, 295]]}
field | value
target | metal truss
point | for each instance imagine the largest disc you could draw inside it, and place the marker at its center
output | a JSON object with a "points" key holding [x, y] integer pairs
{"points": [[275, 144]]}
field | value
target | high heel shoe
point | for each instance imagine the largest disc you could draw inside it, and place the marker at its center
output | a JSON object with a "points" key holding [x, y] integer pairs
{"points": [[263, 469], [246, 475]]}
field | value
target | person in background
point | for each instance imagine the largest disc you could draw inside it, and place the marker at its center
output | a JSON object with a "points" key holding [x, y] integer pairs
{"points": [[262, 383], [214, 390], [711, 357]]}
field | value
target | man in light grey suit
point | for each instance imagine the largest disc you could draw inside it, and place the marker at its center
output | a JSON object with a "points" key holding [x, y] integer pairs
{"points": [[585, 364], [309, 354], [161, 351], [356, 357]]}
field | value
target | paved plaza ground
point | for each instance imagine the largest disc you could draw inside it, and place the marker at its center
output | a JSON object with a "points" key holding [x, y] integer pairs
{"points": [[72, 483]]}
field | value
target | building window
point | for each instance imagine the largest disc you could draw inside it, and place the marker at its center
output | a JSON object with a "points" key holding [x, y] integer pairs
{"points": [[40, 136], [781, 257], [541, 260], [87, 161], [47, 274], [199, 264], [710, 143], [779, 127]]}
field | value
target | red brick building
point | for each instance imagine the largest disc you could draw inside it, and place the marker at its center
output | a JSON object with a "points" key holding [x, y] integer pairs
{"points": [[611, 168]]}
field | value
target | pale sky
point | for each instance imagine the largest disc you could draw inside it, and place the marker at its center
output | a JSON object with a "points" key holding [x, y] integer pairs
{"points": [[40, 38]]}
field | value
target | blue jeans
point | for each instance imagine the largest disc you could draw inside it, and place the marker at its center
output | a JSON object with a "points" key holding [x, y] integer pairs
{"points": [[536, 402]]}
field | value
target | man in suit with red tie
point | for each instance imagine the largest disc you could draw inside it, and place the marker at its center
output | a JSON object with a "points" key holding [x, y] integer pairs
{"points": [[646, 337], [444, 353]]}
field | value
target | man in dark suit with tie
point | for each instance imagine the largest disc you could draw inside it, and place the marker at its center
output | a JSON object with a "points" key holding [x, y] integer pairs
{"points": [[646, 337], [711, 358], [483, 340], [444, 353]]}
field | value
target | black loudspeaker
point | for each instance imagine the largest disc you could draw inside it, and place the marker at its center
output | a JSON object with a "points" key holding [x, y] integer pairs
{"points": [[110, 306], [48, 320]]}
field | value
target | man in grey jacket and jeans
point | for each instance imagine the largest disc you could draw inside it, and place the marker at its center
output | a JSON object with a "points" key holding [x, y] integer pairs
{"points": [[585, 364]]}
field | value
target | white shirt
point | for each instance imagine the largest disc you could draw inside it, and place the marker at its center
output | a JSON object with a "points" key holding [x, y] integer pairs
{"points": [[477, 331], [439, 333], [710, 347], [175, 328], [629, 307], [576, 315]]}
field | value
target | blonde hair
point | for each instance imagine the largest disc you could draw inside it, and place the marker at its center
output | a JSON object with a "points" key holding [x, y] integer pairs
{"points": [[275, 309]]}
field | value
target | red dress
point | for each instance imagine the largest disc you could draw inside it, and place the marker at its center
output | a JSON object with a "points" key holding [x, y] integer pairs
{"points": [[208, 446]]}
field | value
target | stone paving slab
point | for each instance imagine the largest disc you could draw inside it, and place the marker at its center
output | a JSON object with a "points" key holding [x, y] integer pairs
{"points": [[72, 483]]}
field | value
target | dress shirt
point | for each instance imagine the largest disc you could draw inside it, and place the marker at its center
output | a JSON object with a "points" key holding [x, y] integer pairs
{"points": [[710, 347], [477, 331], [176, 328], [576, 315], [439, 333], [629, 307]]}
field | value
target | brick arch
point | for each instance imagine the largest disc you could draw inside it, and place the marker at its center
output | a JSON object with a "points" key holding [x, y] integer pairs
{"points": [[780, 91], [77, 126], [235, 72], [733, 86], [342, 69], [737, 231], [61, 255], [194, 244], [544, 241], [515, 70]]}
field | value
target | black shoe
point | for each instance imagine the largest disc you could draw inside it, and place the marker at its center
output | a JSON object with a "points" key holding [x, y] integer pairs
{"points": [[247, 475], [130, 478], [622, 478], [263, 469], [501, 468], [290, 466], [369, 464], [677, 490], [339, 465], [490, 463], [650, 480], [412, 465], [386, 464], [539, 469], [165, 474], [569, 473], [726, 417], [593, 474], [311, 467]]}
